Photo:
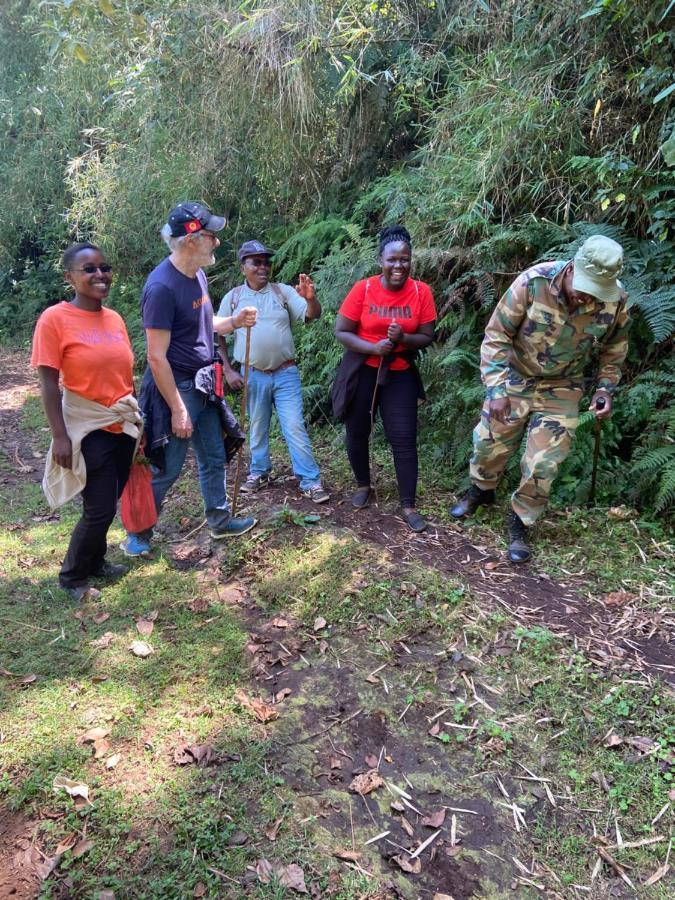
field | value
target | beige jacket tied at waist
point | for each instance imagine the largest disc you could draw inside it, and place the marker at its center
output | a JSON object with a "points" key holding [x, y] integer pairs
{"points": [[82, 416]]}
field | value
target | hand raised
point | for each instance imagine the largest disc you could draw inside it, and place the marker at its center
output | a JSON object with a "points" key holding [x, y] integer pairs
{"points": [[305, 287]]}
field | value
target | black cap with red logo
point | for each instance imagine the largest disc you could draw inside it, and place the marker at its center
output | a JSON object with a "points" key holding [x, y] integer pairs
{"points": [[189, 218]]}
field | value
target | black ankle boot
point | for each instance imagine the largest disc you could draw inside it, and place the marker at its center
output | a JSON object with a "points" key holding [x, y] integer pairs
{"points": [[470, 502], [518, 551]]}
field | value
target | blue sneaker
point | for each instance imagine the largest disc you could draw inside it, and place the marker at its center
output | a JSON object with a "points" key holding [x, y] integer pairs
{"points": [[133, 545], [234, 528]]}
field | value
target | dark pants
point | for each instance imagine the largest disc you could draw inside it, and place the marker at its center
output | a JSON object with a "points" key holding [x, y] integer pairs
{"points": [[108, 459], [397, 404]]}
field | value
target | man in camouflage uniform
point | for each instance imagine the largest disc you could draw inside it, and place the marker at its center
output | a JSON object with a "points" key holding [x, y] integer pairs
{"points": [[537, 344]]}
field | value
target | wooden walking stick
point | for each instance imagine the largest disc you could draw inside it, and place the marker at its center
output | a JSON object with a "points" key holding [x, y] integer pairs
{"points": [[372, 426], [242, 416], [596, 450]]}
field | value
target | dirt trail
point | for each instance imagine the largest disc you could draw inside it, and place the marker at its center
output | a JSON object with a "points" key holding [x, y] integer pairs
{"points": [[338, 723], [530, 596]]}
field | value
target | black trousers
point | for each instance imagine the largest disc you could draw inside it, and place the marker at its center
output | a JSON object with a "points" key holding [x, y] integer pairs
{"points": [[108, 459], [397, 405]]}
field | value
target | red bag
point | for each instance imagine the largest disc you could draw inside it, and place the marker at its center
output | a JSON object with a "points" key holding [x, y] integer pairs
{"points": [[137, 504]]}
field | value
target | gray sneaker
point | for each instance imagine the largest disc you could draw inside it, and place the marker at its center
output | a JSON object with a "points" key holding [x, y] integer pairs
{"points": [[255, 483], [317, 494]]}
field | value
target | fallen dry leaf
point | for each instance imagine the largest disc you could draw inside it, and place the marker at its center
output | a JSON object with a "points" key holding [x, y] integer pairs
{"points": [[198, 605], [613, 739], [201, 754], [658, 875], [643, 744], [141, 648], [621, 513], [367, 782], [272, 830], [102, 642], [435, 820], [618, 598], [435, 729], [323, 646], [101, 747], [100, 618], [45, 867], [442, 897], [291, 876], [319, 623], [145, 626], [280, 622], [81, 848], [65, 844], [112, 761], [398, 807], [414, 866], [349, 855], [72, 788], [260, 710], [94, 734], [335, 762], [407, 827]]}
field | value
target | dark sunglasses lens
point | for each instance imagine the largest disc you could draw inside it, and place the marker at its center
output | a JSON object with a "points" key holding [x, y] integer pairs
{"points": [[89, 270]]}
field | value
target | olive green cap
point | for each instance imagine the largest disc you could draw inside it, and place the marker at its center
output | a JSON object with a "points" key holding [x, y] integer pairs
{"points": [[597, 264]]}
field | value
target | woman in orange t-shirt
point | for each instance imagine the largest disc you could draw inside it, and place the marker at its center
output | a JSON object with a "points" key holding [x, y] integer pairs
{"points": [[88, 346], [387, 319]]}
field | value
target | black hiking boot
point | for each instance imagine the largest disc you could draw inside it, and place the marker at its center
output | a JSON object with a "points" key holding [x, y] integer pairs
{"points": [[518, 551], [470, 502]]}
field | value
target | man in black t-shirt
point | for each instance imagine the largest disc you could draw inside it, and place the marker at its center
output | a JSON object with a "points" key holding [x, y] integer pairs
{"points": [[179, 327]]}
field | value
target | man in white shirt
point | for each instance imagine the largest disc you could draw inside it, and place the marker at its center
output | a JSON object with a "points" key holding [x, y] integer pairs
{"points": [[274, 379]]}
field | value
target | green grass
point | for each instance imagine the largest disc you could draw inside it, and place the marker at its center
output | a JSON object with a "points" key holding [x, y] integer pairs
{"points": [[159, 829]]}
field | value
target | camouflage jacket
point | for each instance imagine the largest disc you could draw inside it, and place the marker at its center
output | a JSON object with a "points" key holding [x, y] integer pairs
{"points": [[533, 332]]}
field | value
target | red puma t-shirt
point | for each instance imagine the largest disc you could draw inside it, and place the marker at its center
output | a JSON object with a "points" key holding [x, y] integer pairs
{"points": [[375, 308]]}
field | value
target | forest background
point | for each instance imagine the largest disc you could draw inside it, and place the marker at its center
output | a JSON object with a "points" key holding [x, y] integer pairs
{"points": [[500, 133]]}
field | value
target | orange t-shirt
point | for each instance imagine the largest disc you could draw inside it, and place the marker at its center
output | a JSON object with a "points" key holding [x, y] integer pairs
{"points": [[90, 349], [375, 308]]}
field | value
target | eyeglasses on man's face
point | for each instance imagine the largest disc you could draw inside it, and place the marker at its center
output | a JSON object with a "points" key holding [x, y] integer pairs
{"points": [[90, 269]]}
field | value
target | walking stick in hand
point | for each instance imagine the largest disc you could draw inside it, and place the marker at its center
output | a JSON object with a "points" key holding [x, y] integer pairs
{"points": [[600, 404], [242, 417]]}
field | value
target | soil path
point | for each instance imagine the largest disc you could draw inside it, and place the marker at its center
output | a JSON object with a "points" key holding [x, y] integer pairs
{"points": [[609, 636]]}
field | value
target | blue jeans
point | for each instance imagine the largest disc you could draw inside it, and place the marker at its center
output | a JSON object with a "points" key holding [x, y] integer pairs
{"points": [[281, 390], [207, 442]]}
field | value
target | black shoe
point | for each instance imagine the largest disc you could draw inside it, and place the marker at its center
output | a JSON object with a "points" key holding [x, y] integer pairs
{"points": [[470, 502], [518, 551], [111, 570], [80, 592], [414, 520], [361, 497]]}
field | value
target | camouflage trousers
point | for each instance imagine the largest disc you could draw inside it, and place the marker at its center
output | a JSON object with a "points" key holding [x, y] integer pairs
{"points": [[549, 409]]}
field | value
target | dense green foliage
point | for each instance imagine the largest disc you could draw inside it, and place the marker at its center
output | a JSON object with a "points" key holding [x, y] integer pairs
{"points": [[500, 132]]}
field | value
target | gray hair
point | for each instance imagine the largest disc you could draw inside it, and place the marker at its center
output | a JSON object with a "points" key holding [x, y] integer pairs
{"points": [[172, 242]]}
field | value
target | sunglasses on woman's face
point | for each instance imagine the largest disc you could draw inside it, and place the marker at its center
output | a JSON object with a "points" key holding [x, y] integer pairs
{"points": [[90, 269]]}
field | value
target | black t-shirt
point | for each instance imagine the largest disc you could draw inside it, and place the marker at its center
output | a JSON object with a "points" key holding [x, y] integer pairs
{"points": [[173, 302]]}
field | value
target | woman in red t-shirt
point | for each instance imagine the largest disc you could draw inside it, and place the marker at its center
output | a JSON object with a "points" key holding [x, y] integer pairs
{"points": [[87, 345], [387, 319]]}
